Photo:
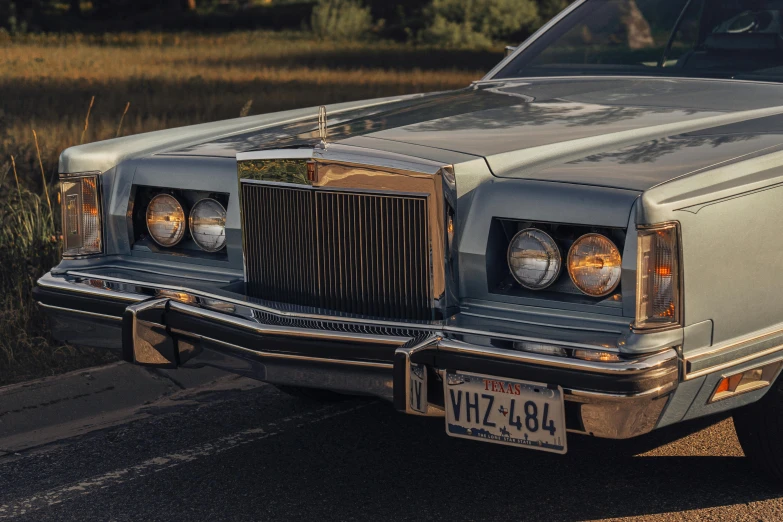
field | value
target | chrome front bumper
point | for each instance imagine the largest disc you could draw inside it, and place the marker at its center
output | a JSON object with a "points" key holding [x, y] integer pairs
{"points": [[178, 327]]}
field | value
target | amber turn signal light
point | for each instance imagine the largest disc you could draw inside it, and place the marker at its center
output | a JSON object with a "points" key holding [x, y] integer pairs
{"points": [[745, 382]]}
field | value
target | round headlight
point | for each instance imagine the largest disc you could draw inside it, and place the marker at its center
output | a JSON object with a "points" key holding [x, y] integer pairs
{"points": [[595, 265], [208, 225], [166, 220], [534, 259]]}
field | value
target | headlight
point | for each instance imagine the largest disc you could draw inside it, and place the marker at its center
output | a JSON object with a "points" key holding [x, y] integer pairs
{"points": [[208, 225], [534, 259], [166, 220], [81, 216], [658, 277], [595, 265]]}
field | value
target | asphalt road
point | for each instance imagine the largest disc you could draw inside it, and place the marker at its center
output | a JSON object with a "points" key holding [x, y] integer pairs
{"points": [[260, 455]]}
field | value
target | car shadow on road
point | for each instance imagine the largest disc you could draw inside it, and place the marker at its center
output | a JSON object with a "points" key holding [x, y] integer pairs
{"points": [[396, 464]]}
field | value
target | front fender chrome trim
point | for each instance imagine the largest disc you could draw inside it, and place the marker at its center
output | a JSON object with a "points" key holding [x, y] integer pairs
{"points": [[79, 312], [51, 282], [731, 363]]}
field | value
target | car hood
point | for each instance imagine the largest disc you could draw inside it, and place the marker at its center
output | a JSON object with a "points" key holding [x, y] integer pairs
{"points": [[623, 133]]}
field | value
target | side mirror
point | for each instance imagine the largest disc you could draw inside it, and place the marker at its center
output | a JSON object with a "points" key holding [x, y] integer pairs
{"points": [[510, 49]]}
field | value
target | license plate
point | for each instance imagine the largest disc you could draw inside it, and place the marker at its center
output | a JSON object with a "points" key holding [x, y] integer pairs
{"points": [[505, 411]]}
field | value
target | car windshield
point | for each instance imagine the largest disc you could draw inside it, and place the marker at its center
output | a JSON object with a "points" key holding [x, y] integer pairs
{"points": [[740, 39]]}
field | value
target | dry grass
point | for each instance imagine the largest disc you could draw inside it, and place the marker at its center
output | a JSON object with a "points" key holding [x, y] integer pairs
{"points": [[46, 85]]}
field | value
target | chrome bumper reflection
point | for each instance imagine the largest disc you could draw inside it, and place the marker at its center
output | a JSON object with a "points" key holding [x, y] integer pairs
{"points": [[173, 329]]}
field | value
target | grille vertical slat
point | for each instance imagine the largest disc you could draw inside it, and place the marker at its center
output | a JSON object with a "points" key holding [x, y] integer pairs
{"points": [[345, 252]]}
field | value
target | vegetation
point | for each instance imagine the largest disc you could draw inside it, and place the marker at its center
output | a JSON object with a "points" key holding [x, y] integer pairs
{"points": [[47, 83], [478, 23], [462, 23], [341, 20]]}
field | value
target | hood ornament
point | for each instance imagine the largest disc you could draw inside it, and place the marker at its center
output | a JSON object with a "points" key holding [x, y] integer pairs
{"points": [[322, 127]]}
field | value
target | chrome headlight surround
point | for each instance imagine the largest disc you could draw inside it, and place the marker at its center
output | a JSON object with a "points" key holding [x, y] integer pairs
{"points": [[216, 221], [658, 277], [82, 218], [547, 257]]}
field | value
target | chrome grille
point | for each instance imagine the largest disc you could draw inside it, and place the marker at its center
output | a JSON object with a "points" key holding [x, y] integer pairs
{"points": [[358, 253]]}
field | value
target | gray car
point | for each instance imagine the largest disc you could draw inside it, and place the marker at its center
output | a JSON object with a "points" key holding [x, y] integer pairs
{"points": [[585, 242]]}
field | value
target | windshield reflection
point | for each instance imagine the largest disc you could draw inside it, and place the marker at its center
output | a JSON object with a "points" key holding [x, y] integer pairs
{"points": [[689, 38]]}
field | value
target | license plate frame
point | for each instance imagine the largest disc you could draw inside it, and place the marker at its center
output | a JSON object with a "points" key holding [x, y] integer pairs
{"points": [[512, 428]]}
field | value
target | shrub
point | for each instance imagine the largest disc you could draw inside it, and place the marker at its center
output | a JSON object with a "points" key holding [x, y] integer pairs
{"points": [[341, 20], [548, 9], [470, 23]]}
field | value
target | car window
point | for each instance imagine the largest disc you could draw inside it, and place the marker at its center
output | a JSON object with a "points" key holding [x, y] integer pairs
{"points": [[698, 38]]}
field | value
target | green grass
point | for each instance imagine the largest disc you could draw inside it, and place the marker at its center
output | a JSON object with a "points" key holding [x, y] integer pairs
{"points": [[170, 80]]}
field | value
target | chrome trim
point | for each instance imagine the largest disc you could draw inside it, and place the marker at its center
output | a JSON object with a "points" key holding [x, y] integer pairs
{"points": [[351, 155], [519, 79], [353, 170], [290, 357], [45, 281], [430, 342], [610, 415], [75, 175], [151, 345], [512, 337], [730, 364], [623, 368], [579, 395], [79, 312], [201, 277], [52, 282], [289, 332], [619, 417], [720, 348], [58, 283], [535, 36]]}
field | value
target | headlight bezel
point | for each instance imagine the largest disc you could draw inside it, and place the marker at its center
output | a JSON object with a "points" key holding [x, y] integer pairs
{"points": [[80, 182], [562, 293]]}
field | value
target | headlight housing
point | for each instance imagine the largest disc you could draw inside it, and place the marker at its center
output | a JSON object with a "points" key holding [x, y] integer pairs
{"points": [[208, 225], [658, 277], [595, 265], [166, 220], [81, 215], [534, 259]]}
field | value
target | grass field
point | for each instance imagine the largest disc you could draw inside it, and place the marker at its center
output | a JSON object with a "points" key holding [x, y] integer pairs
{"points": [[47, 84]]}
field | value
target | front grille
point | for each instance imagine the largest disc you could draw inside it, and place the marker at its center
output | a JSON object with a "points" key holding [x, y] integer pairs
{"points": [[336, 326], [365, 254]]}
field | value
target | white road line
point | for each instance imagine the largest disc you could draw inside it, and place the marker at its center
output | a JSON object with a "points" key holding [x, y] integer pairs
{"points": [[112, 478]]}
